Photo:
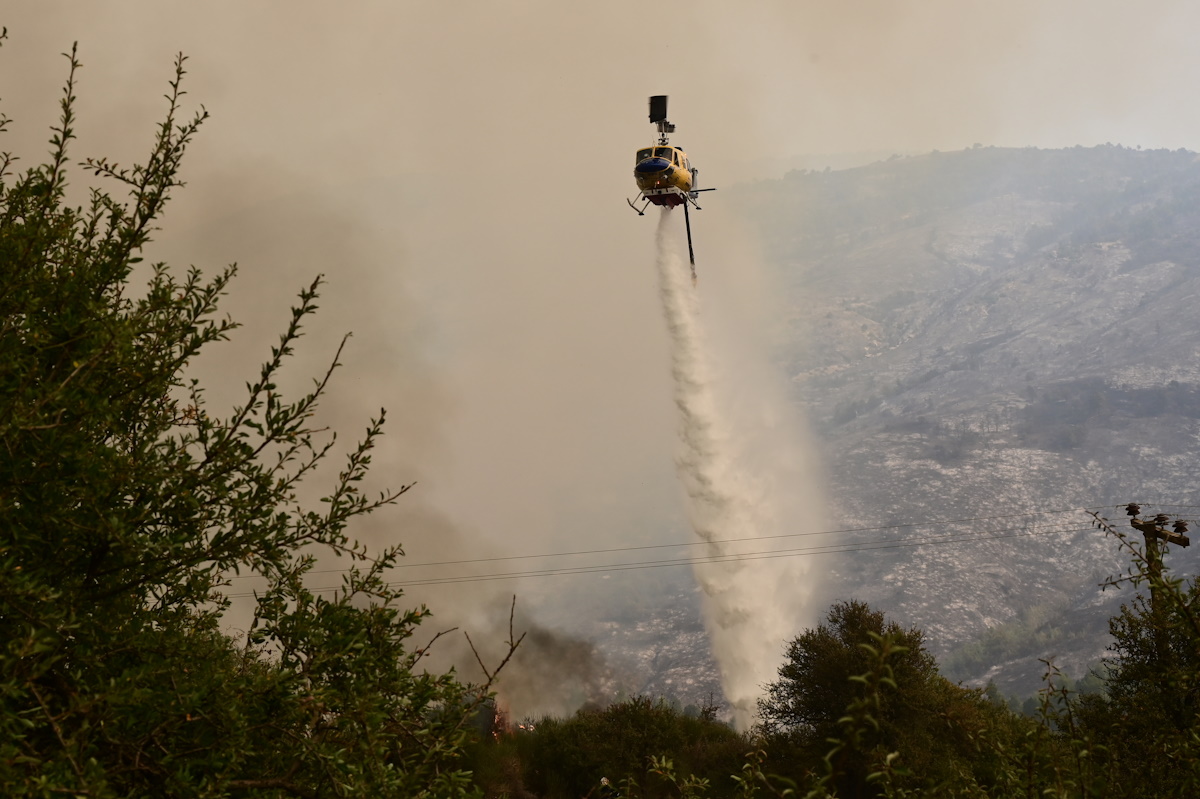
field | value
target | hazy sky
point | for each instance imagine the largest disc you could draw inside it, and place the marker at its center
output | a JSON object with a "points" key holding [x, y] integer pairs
{"points": [[374, 82], [458, 170]]}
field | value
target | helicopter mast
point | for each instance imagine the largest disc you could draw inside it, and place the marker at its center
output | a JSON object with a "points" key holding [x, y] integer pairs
{"points": [[658, 117]]}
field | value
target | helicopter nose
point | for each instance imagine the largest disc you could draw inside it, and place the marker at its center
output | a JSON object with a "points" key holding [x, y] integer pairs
{"points": [[648, 165]]}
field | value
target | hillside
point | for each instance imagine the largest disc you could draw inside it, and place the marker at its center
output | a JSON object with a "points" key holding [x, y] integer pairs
{"points": [[987, 333]]}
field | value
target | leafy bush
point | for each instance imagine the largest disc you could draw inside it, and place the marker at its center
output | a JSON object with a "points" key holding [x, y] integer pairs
{"points": [[125, 504], [938, 730], [568, 757]]}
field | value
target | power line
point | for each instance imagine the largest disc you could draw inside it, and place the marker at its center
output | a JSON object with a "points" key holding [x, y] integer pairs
{"points": [[954, 538], [610, 550], [734, 557]]}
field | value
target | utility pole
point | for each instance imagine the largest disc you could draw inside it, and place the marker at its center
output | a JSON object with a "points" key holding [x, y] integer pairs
{"points": [[1154, 531]]}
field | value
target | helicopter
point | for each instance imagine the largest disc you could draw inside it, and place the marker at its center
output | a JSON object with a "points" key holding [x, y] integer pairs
{"points": [[664, 175]]}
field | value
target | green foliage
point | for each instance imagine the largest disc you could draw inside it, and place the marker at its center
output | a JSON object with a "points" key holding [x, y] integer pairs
{"points": [[1060, 758], [870, 686], [1037, 628], [1058, 417], [646, 745], [125, 505], [860, 710], [754, 780], [1138, 737], [1148, 720]]}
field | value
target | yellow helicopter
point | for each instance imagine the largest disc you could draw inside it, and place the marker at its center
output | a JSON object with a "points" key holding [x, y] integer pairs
{"points": [[664, 174]]}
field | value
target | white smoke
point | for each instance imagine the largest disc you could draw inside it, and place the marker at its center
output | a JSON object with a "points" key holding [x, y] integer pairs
{"points": [[744, 470]]}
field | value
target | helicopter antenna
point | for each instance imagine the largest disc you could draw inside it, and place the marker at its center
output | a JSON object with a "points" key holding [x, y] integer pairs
{"points": [[658, 116]]}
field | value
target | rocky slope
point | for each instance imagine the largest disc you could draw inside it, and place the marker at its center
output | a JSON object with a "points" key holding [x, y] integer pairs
{"points": [[995, 335], [987, 343]]}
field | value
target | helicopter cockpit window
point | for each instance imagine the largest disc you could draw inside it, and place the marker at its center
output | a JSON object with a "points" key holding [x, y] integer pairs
{"points": [[644, 154], [665, 152]]}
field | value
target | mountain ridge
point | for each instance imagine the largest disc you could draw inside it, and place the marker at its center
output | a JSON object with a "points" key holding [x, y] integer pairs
{"points": [[991, 332]]}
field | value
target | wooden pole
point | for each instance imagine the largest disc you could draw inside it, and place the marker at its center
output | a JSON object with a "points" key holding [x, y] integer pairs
{"points": [[1153, 531]]}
